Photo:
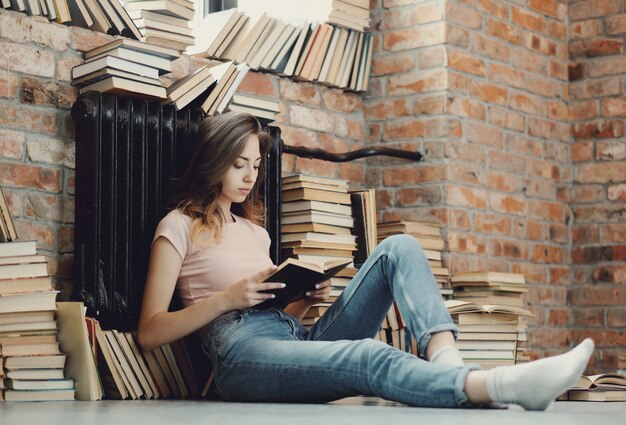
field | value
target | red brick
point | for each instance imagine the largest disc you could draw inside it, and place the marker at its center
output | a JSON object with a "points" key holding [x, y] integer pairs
{"points": [[27, 59], [392, 64], [603, 129], [491, 93], [385, 109], [431, 105], [610, 150], [460, 219], [506, 75], [552, 211], [467, 243], [259, 83], [84, 40], [530, 61], [429, 195], [315, 167], [503, 117], [509, 249], [463, 16], [484, 134], [550, 130], [583, 110], [409, 17], [491, 48], [547, 254], [11, 144], [456, 36], [559, 70], [615, 24], [467, 63], [616, 317], [47, 93], [494, 8], [492, 223], [504, 31], [339, 101], [587, 193], [31, 176], [466, 197], [528, 20], [466, 173], [559, 275], [458, 83], [576, 71], [613, 65], [416, 82], [431, 57], [311, 118], [384, 198], [64, 67], [43, 233], [413, 175], [438, 127], [8, 84], [614, 107], [505, 182], [508, 204], [595, 47], [557, 30], [526, 103], [617, 192], [592, 9], [593, 88], [585, 29], [552, 8], [523, 145], [300, 91], [422, 36], [466, 107]]}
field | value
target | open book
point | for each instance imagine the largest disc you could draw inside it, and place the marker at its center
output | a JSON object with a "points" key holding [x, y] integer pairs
{"points": [[300, 277], [602, 387], [458, 306]]}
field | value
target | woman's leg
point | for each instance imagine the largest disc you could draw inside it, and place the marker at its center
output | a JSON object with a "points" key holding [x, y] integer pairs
{"points": [[397, 269], [257, 357]]}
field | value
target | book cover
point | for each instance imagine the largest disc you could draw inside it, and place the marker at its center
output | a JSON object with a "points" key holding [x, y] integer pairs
{"points": [[299, 277]]}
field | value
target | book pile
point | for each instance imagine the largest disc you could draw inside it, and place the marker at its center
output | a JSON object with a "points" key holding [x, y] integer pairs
{"points": [[260, 108], [602, 387], [393, 331], [498, 288], [124, 65], [429, 237], [316, 223], [488, 334], [307, 50], [163, 23], [128, 372], [211, 88], [107, 16], [32, 362]]}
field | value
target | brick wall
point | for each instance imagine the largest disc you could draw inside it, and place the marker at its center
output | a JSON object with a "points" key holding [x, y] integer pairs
{"points": [[597, 296], [524, 168]]}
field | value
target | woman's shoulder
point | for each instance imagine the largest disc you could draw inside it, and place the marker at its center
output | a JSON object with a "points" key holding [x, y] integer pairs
{"points": [[175, 218], [259, 230]]}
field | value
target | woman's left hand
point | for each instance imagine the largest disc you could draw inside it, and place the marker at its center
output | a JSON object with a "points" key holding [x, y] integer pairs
{"points": [[320, 294]]}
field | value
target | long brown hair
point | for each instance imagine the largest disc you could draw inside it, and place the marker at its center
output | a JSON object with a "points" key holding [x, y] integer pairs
{"points": [[219, 141]]}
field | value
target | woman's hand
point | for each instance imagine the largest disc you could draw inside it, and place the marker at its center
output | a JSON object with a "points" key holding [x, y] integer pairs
{"points": [[246, 293], [320, 294]]}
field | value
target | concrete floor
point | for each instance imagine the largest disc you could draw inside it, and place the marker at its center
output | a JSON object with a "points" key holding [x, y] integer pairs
{"points": [[356, 410]]}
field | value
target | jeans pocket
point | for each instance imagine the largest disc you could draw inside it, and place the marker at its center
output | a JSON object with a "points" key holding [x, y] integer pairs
{"points": [[223, 329]]}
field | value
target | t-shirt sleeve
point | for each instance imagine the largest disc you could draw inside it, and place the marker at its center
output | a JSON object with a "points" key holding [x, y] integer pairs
{"points": [[175, 229], [263, 237]]}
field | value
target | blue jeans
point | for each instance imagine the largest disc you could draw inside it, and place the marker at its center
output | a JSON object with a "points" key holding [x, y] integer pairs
{"points": [[268, 356]]}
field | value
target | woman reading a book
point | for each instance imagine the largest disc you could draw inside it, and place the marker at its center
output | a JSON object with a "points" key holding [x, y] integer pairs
{"points": [[212, 251]]}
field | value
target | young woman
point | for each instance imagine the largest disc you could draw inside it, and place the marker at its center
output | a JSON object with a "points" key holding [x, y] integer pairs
{"points": [[213, 252]]}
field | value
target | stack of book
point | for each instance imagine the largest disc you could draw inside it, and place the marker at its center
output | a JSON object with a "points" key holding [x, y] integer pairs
{"points": [[393, 330], [260, 108], [488, 334], [124, 65], [29, 349], [307, 50], [164, 22], [602, 387], [495, 288], [429, 237], [128, 372], [107, 16], [316, 227]]}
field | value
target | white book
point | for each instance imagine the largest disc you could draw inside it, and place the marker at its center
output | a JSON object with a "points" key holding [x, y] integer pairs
{"points": [[137, 57], [267, 45], [242, 71], [116, 63], [210, 29], [287, 47], [330, 54]]}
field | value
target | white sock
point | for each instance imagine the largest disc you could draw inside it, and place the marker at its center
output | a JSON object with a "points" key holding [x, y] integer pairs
{"points": [[448, 355], [534, 385]]}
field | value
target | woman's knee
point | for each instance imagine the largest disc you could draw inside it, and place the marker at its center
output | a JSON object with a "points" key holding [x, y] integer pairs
{"points": [[402, 244]]}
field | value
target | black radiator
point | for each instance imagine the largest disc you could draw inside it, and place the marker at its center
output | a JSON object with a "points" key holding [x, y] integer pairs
{"points": [[127, 151]]}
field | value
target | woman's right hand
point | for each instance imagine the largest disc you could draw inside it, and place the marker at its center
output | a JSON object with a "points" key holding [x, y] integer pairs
{"points": [[245, 293]]}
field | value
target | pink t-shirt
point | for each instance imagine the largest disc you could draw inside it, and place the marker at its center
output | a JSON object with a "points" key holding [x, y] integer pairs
{"points": [[243, 250]]}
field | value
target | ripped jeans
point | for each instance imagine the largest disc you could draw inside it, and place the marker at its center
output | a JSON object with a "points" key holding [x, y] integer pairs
{"points": [[268, 356]]}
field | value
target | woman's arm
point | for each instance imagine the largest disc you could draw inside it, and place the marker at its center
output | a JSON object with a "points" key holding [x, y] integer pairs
{"points": [[157, 326]]}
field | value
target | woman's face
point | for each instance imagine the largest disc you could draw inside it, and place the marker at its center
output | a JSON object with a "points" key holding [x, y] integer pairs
{"points": [[237, 182]]}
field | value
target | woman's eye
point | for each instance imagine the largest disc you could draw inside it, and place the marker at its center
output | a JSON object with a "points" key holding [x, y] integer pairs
{"points": [[237, 166], [256, 168]]}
